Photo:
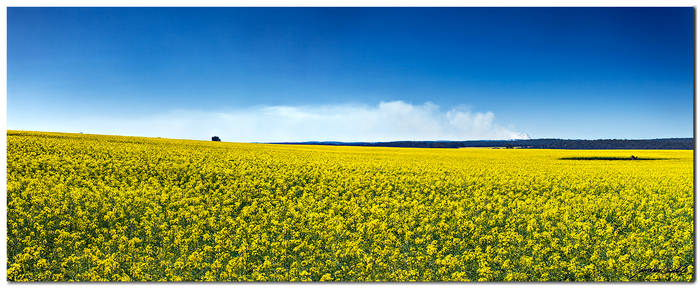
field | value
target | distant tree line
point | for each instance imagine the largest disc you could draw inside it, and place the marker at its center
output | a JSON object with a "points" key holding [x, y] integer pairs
{"points": [[667, 143]]}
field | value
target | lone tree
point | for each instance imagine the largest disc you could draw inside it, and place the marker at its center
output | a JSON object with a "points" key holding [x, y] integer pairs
{"points": [[633, 158], [215, 138]]}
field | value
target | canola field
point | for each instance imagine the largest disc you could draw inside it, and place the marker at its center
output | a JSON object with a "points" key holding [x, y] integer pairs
{"points": [[111, 208]]}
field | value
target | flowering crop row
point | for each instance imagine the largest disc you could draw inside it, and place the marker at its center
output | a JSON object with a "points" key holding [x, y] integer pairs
{"points": [[110, 208]]}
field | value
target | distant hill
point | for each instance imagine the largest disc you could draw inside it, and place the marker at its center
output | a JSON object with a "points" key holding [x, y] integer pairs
{"points": [[663, 144]]}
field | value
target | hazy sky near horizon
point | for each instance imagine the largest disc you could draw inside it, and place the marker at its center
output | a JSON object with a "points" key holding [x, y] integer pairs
{"points": [[352, 74]]}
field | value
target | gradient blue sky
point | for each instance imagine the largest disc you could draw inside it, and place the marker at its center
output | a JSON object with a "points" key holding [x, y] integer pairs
{"points": [[353, 74]]}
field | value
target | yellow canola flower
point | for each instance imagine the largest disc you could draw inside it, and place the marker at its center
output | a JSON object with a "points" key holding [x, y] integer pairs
{"points": [[110, 208]]}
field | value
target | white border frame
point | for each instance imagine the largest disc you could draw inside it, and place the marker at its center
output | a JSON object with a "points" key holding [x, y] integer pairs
{"points": [[293, 3]]}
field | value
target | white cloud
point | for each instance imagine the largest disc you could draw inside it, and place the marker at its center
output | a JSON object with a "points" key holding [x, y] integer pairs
{"points": [[388, 121]]}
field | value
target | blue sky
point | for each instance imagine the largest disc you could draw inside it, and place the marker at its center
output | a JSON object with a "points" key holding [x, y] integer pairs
{"points": [[352, 74]]}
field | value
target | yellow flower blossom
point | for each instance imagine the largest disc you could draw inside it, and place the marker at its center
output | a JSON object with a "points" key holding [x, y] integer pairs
{"points": [[109, 208]]}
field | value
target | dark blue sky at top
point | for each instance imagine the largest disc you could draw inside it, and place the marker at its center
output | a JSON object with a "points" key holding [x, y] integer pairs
{"points": [[550, 72]]}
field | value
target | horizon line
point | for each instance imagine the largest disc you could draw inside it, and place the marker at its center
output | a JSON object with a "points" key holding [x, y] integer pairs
{"points": [[334, 141]]}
